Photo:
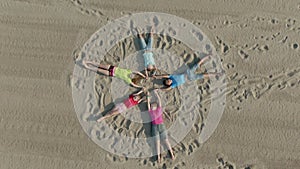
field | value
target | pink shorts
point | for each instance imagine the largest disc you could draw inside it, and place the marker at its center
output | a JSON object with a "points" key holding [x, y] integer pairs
{"points": [[121, 107]]}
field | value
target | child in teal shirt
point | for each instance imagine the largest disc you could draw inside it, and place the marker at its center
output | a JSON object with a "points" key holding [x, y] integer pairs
{"points": [[150, 67]]}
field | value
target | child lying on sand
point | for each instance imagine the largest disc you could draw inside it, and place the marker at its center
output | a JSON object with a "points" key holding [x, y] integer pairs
{"points": [[110, 70], [173, 81], [133, 100], [158, 128], [150, 67]]}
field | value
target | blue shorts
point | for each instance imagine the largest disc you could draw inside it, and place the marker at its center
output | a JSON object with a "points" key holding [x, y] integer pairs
{"points": [[192, 75]]}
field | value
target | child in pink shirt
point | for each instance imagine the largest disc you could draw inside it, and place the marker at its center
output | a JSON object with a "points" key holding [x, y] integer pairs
{"points": [[133, 100], [158, 128]]}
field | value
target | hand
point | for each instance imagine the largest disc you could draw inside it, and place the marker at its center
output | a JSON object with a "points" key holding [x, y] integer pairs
{"points": [[145, 90]]}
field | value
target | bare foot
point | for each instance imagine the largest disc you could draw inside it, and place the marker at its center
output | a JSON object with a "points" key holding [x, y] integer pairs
{"points": [[139, 32], [152, 31], [172, 155], [158, 159], [206, 58], [87, 63]]}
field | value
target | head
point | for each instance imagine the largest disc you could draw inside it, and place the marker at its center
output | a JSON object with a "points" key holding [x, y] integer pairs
{"points": [[151, 69], [136, 80], [168, 82], [153, 105], [136, 98]]}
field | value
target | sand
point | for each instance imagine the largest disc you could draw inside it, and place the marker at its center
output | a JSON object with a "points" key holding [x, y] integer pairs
{"points": [[258, 44]]}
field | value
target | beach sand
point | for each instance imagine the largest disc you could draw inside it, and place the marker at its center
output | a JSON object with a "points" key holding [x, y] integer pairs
{"points": [[258, 44]]}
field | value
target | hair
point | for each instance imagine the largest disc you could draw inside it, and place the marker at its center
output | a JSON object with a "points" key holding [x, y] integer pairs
{"points": [[137, 79], [165, 82], [152, 72], [152, 103], [154, 68], [138, 96]]}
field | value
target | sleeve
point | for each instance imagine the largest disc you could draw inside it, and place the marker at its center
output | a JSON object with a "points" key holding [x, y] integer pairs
{"points": [[174, 83]]}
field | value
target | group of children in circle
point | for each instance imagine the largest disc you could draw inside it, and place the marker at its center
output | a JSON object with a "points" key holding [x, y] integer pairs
{"points": [[155, 110]]}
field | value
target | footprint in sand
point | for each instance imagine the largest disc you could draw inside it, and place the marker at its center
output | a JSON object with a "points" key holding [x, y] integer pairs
{"points": [[223, 163], [224, 46], [171, 31], [243, 54], [295, 46], [79, 84], [197, 35], [156, 21]]}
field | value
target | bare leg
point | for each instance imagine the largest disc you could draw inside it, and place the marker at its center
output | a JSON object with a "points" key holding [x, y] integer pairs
{"points": [[142, 40], [102, 66], [109, 114], [95, 64], [203, 60], [96, 67], [208, 75], [158, 150], [89, 65], [170, 148], [139, 32], [105, 72]]}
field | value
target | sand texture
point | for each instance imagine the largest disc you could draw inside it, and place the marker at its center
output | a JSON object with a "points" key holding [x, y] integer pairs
{"points": [[43, 41]]}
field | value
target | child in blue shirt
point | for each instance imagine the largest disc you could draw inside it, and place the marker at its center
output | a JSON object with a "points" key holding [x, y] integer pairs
{"points": [[176, 80]]}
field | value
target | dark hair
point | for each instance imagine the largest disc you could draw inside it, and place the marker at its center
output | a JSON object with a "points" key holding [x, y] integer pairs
{"points": [[136, 79], [151, 104], [165, 82], [152, 72], [154, 68]]}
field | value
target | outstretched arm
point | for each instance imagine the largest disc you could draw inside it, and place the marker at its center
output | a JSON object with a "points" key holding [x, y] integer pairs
{"points": [[135, 85], [162, 76], [139, 73], [158, 97], [138, 93], [167, 115], [142, 99], [146, 72], [166, 89], [148, 100]]}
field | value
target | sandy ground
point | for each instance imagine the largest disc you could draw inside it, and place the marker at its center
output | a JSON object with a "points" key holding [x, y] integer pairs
{"points": [[259, 45]]}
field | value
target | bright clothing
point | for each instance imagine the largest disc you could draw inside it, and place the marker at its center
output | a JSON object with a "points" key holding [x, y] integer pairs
{"points": [[130, 102], [121, 107], [156, 115], [177, 80], [123, 74]]}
